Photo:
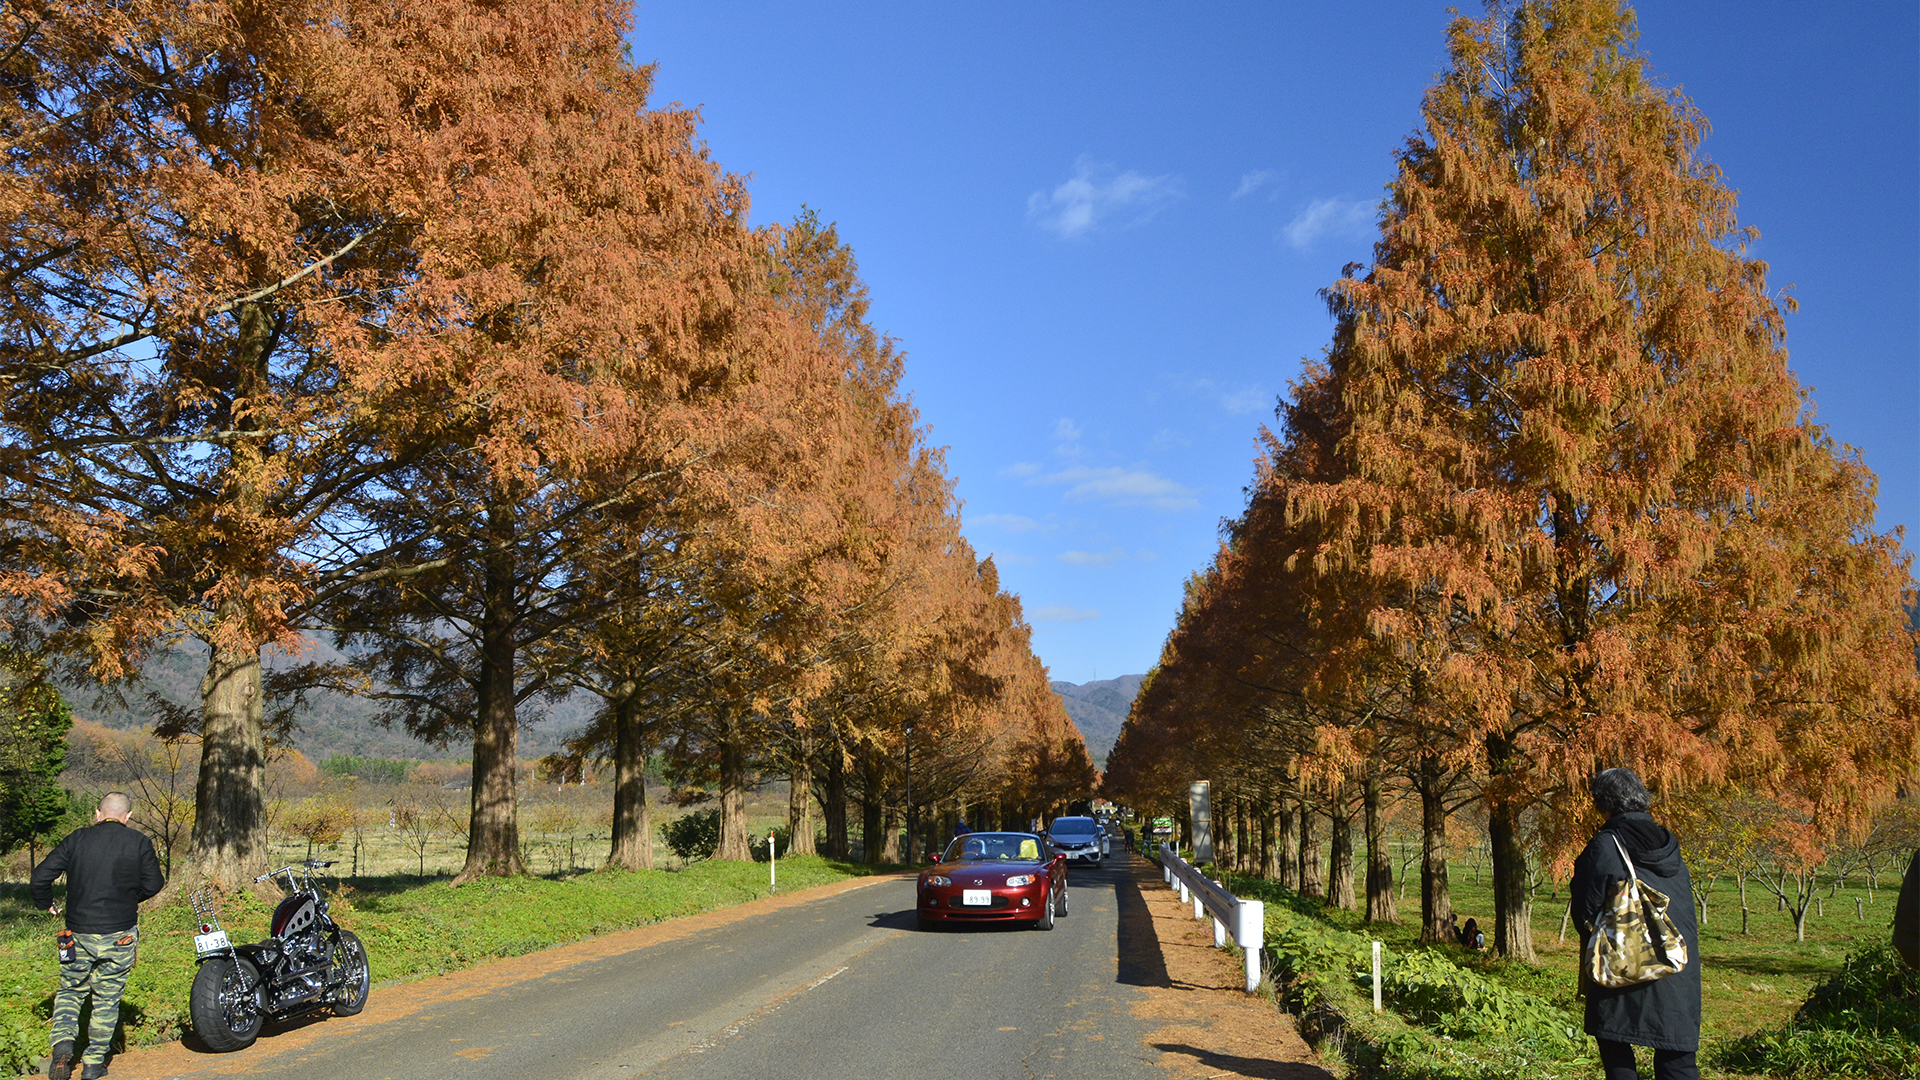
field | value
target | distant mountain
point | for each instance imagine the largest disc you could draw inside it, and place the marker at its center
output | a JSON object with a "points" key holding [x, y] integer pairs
{"points": [[328, 724], [1098, 709]]}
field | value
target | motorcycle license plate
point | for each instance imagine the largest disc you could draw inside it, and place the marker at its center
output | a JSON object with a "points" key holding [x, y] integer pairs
{"points": [[976, 897], [206, 943]]}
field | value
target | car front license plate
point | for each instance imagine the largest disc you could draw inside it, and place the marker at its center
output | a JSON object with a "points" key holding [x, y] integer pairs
{"points": [[976, 897], [206, 943]]}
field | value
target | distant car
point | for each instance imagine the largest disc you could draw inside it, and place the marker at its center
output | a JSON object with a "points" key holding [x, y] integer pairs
{"points": [[994, 877], [1077, 838]]}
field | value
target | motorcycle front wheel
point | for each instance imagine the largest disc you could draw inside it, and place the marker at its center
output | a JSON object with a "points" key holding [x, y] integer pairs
{"points": [[350, 961], [228, 1004]]}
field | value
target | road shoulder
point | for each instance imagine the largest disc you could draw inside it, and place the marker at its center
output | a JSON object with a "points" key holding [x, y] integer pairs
{"points": [[1203, 1023]]}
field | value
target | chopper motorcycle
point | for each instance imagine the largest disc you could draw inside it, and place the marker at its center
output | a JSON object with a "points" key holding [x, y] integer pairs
{"points": [[307, 963]]}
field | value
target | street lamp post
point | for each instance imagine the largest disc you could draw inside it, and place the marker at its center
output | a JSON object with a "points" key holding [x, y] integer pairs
{"points": [[907, 730]]}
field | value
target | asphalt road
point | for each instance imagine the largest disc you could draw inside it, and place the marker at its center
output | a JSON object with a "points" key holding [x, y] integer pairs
{"points": [[842, 987]]}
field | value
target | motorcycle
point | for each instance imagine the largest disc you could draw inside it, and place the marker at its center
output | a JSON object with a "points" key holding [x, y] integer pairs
{"points": [[307, 963]]}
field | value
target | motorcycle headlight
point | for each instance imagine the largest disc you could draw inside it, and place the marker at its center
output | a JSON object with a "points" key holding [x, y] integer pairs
{"points": [[939, 879], [1018, 880]]}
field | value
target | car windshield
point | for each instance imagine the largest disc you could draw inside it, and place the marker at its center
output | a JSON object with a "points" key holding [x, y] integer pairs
{"points": [[993, 846], [1074, 827]]}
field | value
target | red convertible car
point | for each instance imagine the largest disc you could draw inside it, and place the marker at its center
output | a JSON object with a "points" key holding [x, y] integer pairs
{"points": [[994, 877]]}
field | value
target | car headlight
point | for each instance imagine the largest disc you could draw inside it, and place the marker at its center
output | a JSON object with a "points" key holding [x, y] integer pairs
{"points": [[1018, 880], [938, 879]]}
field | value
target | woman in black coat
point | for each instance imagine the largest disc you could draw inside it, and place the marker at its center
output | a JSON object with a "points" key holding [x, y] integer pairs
{"points": [[1663, 1014]]}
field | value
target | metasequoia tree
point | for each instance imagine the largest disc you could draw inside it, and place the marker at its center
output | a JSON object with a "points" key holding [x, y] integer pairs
{"points": [[588, 366], [198, 198], [1573, 425], [1576, 513]]}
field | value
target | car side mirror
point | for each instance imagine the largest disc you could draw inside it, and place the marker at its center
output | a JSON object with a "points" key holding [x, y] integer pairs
{"points": [[1059, 856], [935, 857]]}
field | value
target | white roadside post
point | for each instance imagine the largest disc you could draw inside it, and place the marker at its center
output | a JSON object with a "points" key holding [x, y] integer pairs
{"points": [[773, 868], [1376, 976], [1251, 935]]}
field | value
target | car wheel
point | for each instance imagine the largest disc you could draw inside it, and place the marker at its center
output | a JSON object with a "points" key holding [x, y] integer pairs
{"points": [[1060, 907], [1045, 921]]}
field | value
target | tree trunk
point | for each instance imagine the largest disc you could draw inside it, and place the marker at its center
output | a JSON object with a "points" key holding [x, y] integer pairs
{"points": [[1380, 905], [1340, 861], [890, 830], [834, 806], [1310, 881], [230, 842], [493, 830], [733, 798], [1289, 844], [872, 843], [632, 819], [1436, 902], [800, 796], [230, 828], [1269, 849], [1512, 903]]}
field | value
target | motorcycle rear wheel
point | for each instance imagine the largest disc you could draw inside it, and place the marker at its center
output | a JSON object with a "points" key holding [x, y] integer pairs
{"points": [[228, 1004], [350, 957]]}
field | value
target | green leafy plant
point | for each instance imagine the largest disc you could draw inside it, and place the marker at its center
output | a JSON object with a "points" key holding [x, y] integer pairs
{"points": [[693, 836]]}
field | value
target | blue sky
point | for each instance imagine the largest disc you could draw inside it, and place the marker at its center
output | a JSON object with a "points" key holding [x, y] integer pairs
{"points": [[1099, 231]]}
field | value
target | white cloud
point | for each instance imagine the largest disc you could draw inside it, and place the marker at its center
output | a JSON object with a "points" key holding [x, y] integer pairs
{"points": [[1324, 218], [1242, 402], [1067, 431], [1168, 439], [1010, 558], [1012, 523], [1064, 613], [1127, 487], [1093, 558], [1254, 181], [1097, 194], [1020, 468]]}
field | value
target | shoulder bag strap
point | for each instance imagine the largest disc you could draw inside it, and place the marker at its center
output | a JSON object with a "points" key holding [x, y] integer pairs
{"points": [[1631, 872]]}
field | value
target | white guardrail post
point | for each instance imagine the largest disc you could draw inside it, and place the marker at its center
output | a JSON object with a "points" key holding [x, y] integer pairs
{"points": [[1244, 920]]}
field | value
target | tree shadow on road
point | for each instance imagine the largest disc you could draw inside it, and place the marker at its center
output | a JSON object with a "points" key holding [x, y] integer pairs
{"points": [[1256, 1068], [1139, 944]]}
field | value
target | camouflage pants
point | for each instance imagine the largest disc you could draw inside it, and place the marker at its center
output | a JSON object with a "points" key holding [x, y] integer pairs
{"points": [[99, 967]]}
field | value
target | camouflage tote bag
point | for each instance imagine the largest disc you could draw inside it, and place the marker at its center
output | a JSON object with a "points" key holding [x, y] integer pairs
{"points": [[1636, 941]]}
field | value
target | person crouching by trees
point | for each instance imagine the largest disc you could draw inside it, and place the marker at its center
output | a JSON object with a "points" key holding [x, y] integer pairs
{"points": [[1665, 1013], [110, 869]]}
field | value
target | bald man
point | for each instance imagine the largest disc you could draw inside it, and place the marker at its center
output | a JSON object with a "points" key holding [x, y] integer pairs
{"points": [[110, 869]]}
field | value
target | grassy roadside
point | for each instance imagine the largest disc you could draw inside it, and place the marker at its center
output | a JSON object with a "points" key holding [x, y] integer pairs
{"points": [[411, 929], [1454, 1014]]}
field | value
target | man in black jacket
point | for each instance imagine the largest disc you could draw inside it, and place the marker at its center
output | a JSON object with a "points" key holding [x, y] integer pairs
{"points": [[1663, 1014], [110, 869]]}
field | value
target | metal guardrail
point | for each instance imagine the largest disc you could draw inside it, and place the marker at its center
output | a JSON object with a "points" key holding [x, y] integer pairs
{"points": [[1245, 920]]}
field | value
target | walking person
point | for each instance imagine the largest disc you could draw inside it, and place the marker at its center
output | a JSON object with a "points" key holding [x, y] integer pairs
{"points": [[1663, 1014], [110, 868]]}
